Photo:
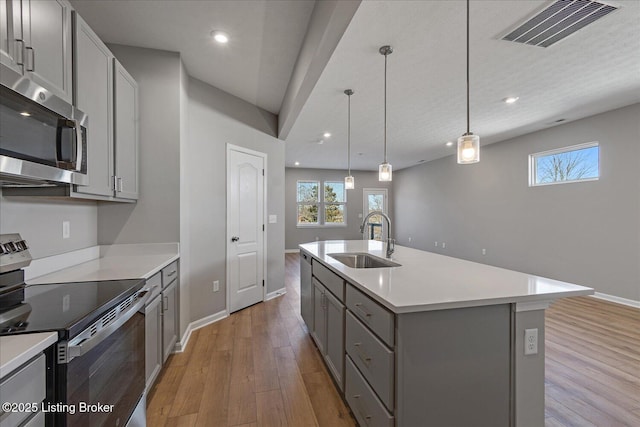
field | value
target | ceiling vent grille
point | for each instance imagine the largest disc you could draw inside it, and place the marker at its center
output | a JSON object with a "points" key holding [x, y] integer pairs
{"points": [[559, 20]]}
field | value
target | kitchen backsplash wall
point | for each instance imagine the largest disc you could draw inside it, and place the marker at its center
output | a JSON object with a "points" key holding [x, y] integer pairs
{"points": [[364, 179], [586, 233], [39, 222]]}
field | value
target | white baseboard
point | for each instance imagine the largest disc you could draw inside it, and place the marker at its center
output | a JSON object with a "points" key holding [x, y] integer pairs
{"points": [[182, 344], [291, 251], [619, 300], [275, 294]]}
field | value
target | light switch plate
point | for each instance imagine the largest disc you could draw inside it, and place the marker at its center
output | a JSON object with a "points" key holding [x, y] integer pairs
{"points": [[273, 219]]}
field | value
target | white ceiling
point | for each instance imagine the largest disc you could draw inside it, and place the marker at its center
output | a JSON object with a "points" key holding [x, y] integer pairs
{"points": [[256, 64], [594, 70]]}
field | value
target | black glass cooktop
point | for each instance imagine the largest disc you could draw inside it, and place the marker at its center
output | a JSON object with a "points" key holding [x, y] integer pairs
{"points": [[67, 308]]}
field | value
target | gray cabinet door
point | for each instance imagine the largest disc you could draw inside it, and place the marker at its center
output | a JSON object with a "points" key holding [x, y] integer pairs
{"points": [[334, 349], [126, 133], [306, 290], [153, 341], [169, 318], [47, 34], [11, 52], [319, 331], [94, 96]]}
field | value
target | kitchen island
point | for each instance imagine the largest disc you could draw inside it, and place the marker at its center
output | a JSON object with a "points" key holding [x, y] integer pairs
{"points": [[434, 341]]}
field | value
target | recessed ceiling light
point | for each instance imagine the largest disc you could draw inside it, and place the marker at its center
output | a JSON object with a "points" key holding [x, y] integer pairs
{"points": [[511, 99], [449, 143], [297, 163], [327, 135], [24, 113], [220, 36]]}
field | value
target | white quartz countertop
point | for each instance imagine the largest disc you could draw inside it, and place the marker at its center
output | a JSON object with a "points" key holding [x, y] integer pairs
{"points": [[429, 281], [18, 349], [116, 262]]}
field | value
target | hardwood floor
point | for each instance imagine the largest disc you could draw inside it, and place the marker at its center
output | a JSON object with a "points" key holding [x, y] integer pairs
{"points": [[259, 367]]}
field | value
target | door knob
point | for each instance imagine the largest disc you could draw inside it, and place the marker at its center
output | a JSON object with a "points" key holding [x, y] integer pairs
{"points": [[235, 238]]}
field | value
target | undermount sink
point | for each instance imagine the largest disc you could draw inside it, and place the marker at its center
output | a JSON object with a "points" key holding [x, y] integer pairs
{"points": [[363, 260]]}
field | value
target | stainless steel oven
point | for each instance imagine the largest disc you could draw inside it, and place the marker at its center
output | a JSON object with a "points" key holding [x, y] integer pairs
{"points": [[43, 140]]}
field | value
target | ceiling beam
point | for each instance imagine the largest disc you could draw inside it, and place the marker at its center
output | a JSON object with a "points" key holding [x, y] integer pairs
{"points": [[329, 21]]}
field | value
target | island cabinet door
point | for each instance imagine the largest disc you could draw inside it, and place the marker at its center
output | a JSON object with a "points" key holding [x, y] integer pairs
{"points": [[334, 350], [306, 290], [319, 332]]}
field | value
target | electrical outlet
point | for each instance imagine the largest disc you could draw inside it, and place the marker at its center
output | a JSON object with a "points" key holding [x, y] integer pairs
{"points": [[216, 285], [66, 229], [409, 239], [530, 341], [484, 251], [436, 244], [444, 245]]}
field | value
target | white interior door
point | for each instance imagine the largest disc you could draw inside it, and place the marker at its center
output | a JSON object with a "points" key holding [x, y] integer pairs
{"points": [[374, 199], [245, 227]]}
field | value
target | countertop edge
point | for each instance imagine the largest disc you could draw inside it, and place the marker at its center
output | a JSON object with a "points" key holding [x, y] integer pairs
{"points": [[18, 349]]}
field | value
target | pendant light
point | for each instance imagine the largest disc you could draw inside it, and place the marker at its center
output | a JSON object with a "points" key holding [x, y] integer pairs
{"points": [[468, 143], [349, 181], [385, 170]]}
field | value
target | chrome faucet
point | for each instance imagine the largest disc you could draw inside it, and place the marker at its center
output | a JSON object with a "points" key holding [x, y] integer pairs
{"points": [[391, 243]]}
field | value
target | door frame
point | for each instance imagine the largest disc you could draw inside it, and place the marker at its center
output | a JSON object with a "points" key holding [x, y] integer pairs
{"points": [[385, 209], [231, 147]]}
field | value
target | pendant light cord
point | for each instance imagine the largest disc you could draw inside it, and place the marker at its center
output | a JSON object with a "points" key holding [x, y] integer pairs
{"points": [[349, 137], [385, 107], [468, 121]]}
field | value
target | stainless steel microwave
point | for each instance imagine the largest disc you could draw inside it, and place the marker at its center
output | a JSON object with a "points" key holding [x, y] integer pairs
{"points": [[43, 139]]}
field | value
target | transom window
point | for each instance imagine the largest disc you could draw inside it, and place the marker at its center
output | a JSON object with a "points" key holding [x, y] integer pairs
{"points": [[321, 205], [570, 164]]}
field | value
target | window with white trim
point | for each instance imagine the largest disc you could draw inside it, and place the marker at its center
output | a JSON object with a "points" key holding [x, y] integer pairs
{"points": [[569, 164], [321, 205]]}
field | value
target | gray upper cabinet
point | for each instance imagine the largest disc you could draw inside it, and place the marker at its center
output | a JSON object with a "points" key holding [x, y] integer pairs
{"points": [[94, 96], [126, 133], [36, 42]]}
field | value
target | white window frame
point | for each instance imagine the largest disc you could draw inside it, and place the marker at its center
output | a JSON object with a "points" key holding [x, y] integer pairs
{"points": [[321, 206], [306, 225], [533, 162], [344, 205]]}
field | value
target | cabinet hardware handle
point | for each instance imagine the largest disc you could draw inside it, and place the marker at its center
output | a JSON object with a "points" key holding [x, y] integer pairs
{"points": [[120, 184], [172, 273], [21, 50], [33, 58], [366, 417], [165, 300], [359, 307], [235, 238]]}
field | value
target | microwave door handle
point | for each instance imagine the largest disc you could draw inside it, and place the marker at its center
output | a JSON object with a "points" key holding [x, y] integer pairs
{"points": [[83, 346], [79, 146]]}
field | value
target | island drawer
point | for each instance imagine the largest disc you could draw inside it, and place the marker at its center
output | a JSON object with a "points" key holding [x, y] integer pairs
{"points": [[330, 280], [373, 315], [373, 359], [169, 273], [364, 404]]}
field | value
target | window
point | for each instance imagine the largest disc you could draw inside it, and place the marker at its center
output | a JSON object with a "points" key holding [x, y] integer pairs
{"points": [[375, 199], [334, 202], [569, 164], [318, 205], [308, 202]]}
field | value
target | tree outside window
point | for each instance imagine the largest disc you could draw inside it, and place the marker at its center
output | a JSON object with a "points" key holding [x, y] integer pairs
{"points": [[308, 202], [327, 208], [569, 164], [334, 202]]}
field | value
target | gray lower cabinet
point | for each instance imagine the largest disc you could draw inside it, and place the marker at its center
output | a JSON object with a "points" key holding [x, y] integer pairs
{"points": [[328, 330], [306, 290], [27, 384], [161, 321]]}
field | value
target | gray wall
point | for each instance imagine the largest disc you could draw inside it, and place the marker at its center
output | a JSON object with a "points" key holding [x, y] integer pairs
{"points": [[586, 233], [216, 119], [39, 221], [155, 218], [364, 179]]}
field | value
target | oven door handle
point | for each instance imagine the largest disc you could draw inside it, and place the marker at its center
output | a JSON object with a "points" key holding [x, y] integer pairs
{"points": [[81, 345]]}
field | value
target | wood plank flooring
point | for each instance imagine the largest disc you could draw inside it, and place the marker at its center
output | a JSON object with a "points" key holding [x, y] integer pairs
{"points": [[259, 367]]}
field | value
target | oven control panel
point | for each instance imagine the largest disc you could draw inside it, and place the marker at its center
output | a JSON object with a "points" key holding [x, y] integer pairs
{"points": [[14, 252]]}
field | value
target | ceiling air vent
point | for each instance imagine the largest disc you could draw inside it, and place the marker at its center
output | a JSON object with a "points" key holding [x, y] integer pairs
{"points": [[559, 20]]}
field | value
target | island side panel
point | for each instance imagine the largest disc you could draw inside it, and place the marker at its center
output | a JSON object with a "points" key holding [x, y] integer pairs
{"points": [[529, 369], [453, 367]]}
